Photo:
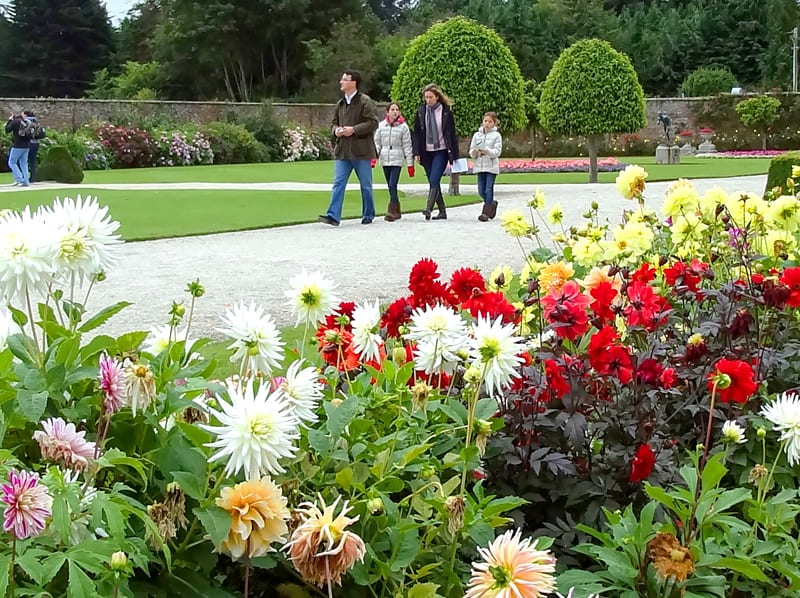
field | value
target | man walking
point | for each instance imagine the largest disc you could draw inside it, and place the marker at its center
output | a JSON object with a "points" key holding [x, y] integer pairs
{"points": [[18, 154], [354, 122]]}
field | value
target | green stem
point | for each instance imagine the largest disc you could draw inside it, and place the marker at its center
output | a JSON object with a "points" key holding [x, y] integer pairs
{"points": [[11, 581], [32, 323], [189, 321], [708, 426]]}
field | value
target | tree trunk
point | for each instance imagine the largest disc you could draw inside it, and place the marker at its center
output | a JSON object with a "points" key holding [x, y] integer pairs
{"points": [[533, 143], [764, 141], [592, 144], [455, 179]]}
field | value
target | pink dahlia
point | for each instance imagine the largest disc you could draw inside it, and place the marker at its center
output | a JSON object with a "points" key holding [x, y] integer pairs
{"points": [[512, 567], [62, 443], [112, 383], [28, 504]]}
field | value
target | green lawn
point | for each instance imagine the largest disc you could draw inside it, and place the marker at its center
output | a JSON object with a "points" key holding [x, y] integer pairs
{"points": [[322, 172], [180, 213]]}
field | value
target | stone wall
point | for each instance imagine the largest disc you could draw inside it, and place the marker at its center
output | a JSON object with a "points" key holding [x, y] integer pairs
{"points": [[72, 114]]}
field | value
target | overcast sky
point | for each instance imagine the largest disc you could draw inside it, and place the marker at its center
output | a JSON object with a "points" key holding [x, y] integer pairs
{"points": [[117, 9]]}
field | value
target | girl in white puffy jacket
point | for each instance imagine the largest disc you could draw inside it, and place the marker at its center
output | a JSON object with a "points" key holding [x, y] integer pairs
{"points": [[393, 145], [485, 149]]}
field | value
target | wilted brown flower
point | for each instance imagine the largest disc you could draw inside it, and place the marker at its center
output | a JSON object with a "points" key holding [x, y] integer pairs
{"points": [[758, 473], [161, 514], [321, 549], [419, 395], [669, 557], [455, 508]]}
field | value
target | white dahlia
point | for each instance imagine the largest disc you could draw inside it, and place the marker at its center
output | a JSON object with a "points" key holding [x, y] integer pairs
{"points": [[302, 390], [255, 431], [495, 350], [366, 321], [784, 413], [311, 297], [255, 337], [27, 253]]}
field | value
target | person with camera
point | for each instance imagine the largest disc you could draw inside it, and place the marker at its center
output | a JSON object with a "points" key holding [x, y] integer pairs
{"points": [[17, 125]]}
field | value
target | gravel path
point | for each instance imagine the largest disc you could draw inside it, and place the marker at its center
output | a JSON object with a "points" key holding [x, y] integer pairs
{"points": [[367, 262]]}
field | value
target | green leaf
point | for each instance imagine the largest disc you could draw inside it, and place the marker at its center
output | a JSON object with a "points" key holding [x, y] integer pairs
{"points": [[406, 550], [486, 408], [131, 341], [103, 316], [20, 346], [29, 562], [97, 345], [345, 478], [340, 415], [713, 472], [742, 566], [80, 585], [32, 404], [192, 485], [5, 566], [424, 590], [216, 521]]}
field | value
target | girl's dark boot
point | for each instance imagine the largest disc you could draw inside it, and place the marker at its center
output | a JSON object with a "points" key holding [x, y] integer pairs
{"points": [[484, 217]]}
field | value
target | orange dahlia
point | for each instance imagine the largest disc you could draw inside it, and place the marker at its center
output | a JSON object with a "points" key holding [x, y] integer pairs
{"points": [[258, 517]]}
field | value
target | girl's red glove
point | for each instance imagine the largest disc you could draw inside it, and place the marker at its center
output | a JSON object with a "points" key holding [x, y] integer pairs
{"points": [[411, 171], [373, 162]]}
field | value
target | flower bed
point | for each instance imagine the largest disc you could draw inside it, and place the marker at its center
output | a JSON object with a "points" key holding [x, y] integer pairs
{"points": [[743, 154], [629, 394], [559, 165]]}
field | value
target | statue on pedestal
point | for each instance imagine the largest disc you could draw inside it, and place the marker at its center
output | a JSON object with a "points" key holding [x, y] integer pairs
{"points": [[666, 122]]}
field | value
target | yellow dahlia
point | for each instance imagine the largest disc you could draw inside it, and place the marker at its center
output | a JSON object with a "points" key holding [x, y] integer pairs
{"points": [[630, 182], [321, 549], [554, 276], [258, 517], [512, 567], [515, 224]]}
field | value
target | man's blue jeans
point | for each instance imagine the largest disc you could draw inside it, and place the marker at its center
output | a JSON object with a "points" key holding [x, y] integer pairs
{"points": [[18, 163], [341, 174]]}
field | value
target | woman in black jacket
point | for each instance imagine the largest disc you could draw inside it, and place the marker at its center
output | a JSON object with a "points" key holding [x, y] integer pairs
{"points": [[435, 144]]}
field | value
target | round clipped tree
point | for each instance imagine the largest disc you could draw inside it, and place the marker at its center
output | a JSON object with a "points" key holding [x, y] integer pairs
{"points": [[472, 65], [759, 112], [592, 90]]}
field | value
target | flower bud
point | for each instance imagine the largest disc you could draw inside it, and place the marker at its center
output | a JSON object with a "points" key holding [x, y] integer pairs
{"points": [[399, 355], [761, 433], [195, 289], [375, 506], [596, 446], [100, 276], [336, 402], [119, 560], [472, 375]]}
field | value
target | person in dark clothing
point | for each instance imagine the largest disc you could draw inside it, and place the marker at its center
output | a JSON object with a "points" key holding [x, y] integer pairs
{"points": [[33, 150], [18, 154], [355, 119], [435, 144]]}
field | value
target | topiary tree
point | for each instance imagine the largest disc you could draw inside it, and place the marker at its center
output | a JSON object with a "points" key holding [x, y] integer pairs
{"points": [[759, 112], [472, 65], [708, 81], [592, 90]]}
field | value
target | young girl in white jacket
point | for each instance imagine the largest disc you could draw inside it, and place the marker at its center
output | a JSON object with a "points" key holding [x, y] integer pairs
{"points": [[485, 149], [393, 145]]}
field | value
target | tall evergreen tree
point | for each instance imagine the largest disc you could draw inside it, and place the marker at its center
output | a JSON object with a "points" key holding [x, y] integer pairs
{"points": [[56, 46], [136, 33]]}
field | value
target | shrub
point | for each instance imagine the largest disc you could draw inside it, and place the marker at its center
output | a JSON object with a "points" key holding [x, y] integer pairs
{"points": [[60, 166], [708, 81], [760, 113], [131, 147], [780, 170], [301, 145], [90, 153], [178, 148], [266, 128], [592, 90], [233, 144], [454, 54]]}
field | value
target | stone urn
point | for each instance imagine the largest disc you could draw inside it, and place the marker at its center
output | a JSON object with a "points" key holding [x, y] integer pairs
{"points": [[706, 147], [685, 142]]}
